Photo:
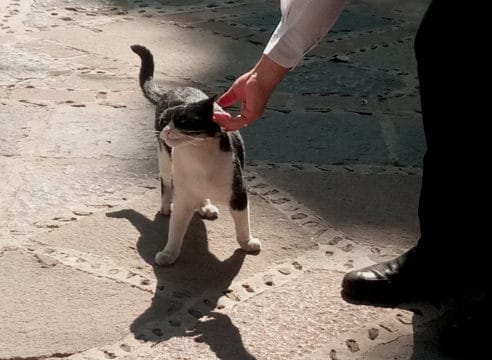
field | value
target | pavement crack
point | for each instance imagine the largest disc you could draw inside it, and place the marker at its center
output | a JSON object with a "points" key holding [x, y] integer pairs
{"points": [[392, 340], [38, 357]]}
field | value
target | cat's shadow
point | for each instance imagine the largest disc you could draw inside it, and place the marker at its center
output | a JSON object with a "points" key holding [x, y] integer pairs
{"points": [[187, 290]]}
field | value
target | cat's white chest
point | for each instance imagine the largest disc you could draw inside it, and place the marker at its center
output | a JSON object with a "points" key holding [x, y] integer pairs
{"points": [[203, 174]]}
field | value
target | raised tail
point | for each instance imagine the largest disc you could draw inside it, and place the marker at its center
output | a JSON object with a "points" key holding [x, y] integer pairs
{"points": [[146, 76]]}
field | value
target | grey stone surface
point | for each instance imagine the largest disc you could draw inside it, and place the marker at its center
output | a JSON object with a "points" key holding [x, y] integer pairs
{"points": [[423, 344], [404, 138], [18, 65], [275, 324], [133, 232], [331, 137], [54, 188], [99, 132], [334, 175], [14, 122], [206, 58], [325, 78], [359, 19], [48, 308], [399, 59], [269, 329], [376, 208], [260, 17]]}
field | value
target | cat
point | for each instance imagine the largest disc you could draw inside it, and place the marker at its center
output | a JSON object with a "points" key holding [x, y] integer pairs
{"points": [[198, 161]]}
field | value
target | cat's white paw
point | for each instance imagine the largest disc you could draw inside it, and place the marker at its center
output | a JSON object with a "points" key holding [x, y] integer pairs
{"points": [[209, 212], [165, 210], [252, 245], [164, 258]]}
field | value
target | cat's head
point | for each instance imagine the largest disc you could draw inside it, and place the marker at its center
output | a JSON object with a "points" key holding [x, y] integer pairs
{"points": [[189, 121]]}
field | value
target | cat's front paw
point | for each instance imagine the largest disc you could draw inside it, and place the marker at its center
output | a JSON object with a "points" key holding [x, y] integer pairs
{"points": [[165, 210], [209, 212], [163, 258], [252, 245]]}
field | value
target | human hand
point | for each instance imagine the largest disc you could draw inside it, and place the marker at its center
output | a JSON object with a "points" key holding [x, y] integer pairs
{"points": [[252, 89], [253, 97]]}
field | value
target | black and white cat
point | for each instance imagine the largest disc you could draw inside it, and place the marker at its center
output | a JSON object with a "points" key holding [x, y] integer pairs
{"points": [[198, 162]]}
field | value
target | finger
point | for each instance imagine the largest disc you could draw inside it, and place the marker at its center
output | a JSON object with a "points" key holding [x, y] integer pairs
{"points": [[238, 123], [228, 98], [221, 117], [234, 124]]}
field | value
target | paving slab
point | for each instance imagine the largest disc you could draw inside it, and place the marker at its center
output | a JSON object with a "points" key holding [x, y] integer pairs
{"points": [[326, 78], [374, 208], [132, 234], [206, 56], [98, 132], [48, 308], [212, 275], [275, 324], [120, 245], [68, 187], [317, 137]]}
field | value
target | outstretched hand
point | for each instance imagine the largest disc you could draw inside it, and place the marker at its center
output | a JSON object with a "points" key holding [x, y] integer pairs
{"points": [[247, 90], [252, 90]]}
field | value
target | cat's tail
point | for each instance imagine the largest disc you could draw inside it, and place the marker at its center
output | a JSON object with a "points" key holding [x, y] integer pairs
{"points": [[146, 76]]}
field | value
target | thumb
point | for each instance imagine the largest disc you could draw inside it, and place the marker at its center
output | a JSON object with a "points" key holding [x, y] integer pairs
{"points": [[228, 98]]}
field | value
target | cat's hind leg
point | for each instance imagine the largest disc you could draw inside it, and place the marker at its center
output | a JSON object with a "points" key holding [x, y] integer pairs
{"points": [[208, 211], [239, 208], [165, 166]]}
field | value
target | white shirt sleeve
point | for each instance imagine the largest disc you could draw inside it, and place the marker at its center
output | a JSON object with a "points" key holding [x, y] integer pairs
{"points": [[303, 25]]}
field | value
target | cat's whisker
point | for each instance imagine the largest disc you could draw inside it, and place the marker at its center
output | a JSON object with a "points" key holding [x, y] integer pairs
{"points": [[194, 143], [200, 138], [197, 141]]}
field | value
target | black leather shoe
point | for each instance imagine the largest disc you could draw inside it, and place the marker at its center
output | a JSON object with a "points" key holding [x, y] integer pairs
{"points": [[400, 279]]}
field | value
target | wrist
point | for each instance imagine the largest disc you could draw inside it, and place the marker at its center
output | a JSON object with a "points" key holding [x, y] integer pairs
{"points": [[268, 73]]}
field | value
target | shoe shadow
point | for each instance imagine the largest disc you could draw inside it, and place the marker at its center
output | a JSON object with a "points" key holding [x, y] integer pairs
{"points": [[188, 290], [434, 334], [462, 330]]}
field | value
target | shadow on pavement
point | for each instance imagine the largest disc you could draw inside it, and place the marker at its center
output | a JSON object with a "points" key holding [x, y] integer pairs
{"points": [[456, 330], [377, 209], [188, 290], [461, 332]]}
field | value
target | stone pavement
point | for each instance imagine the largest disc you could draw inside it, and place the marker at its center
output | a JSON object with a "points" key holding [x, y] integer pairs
{"points": [[333, 169]]}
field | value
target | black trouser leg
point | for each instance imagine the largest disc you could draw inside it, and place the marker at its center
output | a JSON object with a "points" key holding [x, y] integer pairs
{"points": [[452, 186], [451, 254]]}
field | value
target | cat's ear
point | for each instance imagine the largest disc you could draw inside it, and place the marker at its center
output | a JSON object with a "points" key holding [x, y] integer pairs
{"points": [[204, 107], [207, 104]]}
